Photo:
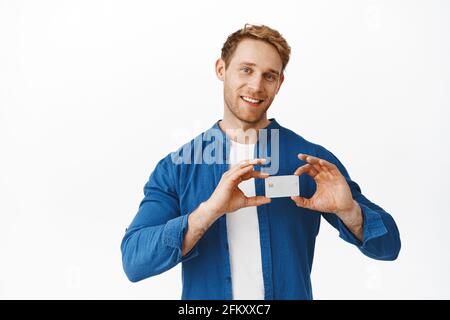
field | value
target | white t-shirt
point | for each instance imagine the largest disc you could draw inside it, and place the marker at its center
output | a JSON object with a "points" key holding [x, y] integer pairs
{"points": [[243, 237]]}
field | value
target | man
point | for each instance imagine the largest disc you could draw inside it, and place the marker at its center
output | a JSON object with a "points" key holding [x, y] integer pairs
{"points": [[205, 204]]}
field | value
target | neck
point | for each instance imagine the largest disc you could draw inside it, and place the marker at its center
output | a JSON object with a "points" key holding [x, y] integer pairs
{"points": [[241, 131]]}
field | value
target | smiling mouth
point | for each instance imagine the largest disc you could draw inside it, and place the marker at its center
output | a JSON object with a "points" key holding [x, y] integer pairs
{"points": [[251, 101]]}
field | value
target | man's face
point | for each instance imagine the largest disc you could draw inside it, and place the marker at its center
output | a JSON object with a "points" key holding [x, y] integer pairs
{"points": [[251, 80]]}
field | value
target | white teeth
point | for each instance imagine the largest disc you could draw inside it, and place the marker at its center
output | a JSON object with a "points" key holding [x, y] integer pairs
{"points": [[250, 99]]}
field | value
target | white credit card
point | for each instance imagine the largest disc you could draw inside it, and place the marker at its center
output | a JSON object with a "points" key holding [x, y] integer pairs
{"points": [[282, 186]]}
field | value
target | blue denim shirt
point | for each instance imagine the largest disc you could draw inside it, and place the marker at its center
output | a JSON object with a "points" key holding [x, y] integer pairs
{"points": [[152, 243]]}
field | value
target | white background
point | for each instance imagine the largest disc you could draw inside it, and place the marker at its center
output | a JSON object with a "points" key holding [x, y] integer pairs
{"points": [[94, 93]]}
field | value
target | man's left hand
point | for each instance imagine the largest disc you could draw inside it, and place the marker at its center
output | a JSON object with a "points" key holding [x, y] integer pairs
{"points": [[332, 194]]}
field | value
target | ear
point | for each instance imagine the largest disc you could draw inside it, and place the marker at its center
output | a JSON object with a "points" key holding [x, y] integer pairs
{"points": [[220, 69], [281, 81]]}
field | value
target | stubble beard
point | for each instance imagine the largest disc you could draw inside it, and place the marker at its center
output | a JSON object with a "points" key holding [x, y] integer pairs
{"points": [[234, 109]]}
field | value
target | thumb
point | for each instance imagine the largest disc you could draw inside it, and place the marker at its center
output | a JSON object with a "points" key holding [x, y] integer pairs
{"points": [[302, 202], [256, 201]]}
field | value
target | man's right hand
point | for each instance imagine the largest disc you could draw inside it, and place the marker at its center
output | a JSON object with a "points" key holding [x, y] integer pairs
{"points": [[227, 197]]}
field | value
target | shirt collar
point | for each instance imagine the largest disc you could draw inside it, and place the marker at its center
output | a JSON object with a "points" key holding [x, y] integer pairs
{"points": [[272, 125]]}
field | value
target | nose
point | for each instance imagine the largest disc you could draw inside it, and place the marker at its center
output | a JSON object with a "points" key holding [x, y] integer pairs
{"points": [[255, 83]]}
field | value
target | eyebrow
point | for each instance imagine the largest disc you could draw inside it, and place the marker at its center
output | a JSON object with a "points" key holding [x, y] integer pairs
{"points": [[253, 64]]}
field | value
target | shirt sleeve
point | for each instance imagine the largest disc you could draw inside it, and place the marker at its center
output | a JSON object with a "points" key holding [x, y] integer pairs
{"points": [[381, 238], [153, 242]]}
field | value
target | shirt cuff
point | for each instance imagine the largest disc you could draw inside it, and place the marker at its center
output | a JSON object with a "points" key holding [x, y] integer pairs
{"points": [[173, 236], [373, 227]]}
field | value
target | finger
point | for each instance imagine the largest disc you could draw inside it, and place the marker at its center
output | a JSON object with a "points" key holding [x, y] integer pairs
{"points": [[331, 167], [302, 202], [320, 161], [256, 201], [255, 174], [238, 166], [317, 163], [246, 163], [238, 175], [308, 169], [256, 161]]}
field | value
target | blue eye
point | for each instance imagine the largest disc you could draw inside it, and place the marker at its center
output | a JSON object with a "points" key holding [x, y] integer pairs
{"points": [[271, 77]]}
